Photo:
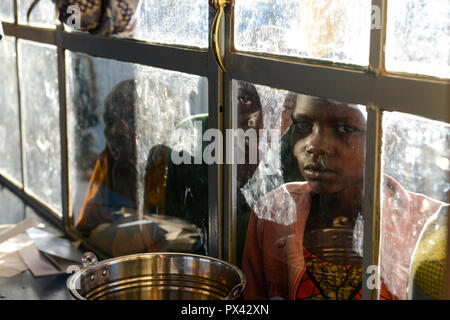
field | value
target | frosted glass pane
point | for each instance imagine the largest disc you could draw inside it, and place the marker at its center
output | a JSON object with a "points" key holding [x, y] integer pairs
{"points": [[7, 10], [418, 37], [336, 30], [119, 133], [415, 185], [13, 208], [40, 122], [298, 207], [175, 22], [10, 158], [42, 15]]}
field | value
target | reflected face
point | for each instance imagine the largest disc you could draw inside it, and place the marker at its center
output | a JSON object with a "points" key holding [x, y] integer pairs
{"points": [[249, 108], [119, 129], [329, 144]]}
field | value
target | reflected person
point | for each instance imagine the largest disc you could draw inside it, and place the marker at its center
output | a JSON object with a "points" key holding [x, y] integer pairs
{"points": [[112, 188]]}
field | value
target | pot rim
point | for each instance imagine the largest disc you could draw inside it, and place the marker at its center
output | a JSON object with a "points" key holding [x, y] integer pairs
{"points": [[234, 292]]}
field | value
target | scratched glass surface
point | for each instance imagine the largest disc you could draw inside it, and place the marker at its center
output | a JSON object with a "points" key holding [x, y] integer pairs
{"points": [[13, 206], [174, 22], [253, 182], [418, 37], [156, 101], [10, 158], [42, 15], [415, 167], [281, 220], [335, 30], [7, 10], [39, 99]]}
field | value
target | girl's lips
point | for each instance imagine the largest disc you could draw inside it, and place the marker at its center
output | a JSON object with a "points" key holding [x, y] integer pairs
{"points": [[316, 174]]}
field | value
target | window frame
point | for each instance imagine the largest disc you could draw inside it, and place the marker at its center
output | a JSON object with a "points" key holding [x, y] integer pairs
{"points": [[372, 86], [169, 57]]}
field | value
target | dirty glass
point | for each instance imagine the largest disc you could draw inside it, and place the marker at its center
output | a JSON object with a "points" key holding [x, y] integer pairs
{"points": [[10, 158], [13, 208], [413, 25], [298, 165], [414, 192], [173, 22], [39, 98], [42, 14], [7, 10], [127, 126], [336, 30]]}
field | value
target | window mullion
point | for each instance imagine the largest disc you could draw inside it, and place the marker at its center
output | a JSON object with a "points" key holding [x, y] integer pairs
{"points": [[65, 198], [215, 200], [378, 36], [371, 204]]}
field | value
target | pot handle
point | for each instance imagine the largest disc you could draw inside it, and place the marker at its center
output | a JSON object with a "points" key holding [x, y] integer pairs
{"points": [[235, 292], [88, 258]]}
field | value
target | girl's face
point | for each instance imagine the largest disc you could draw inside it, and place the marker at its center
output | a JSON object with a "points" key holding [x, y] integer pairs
{"points": [[329, 144]]}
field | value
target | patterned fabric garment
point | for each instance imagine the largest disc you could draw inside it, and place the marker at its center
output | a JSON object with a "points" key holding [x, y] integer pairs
{"points": [[324, 280]]}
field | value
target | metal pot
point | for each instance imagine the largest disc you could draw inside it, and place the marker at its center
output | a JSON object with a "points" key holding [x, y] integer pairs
{"points": [[156, 276]]}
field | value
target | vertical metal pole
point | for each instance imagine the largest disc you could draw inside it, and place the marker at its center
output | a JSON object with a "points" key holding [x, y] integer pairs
{"points": [[371, 205], [19, 103], [215, 201], [228, 190]]}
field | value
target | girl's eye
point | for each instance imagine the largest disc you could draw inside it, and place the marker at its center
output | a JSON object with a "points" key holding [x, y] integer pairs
{"points": [[245, 100], [346, 129]]}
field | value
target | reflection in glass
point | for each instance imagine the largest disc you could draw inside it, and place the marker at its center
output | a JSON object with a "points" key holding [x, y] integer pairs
{"points": [[39, 97], [304, 206], [13, 208], [42, 15], [173, 22], [122, 122], [412, 26], [414, 189], [10, 157], [7, 10], [336, 30]]}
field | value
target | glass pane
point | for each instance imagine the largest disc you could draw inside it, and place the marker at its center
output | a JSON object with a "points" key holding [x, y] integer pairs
{"points": [[175, 22], [13, 208], [336, 30], [124, 121], [298, 204], [42, 14], [40, 122], [7, 10], [414, 188], [418, 37], [10, 157]]}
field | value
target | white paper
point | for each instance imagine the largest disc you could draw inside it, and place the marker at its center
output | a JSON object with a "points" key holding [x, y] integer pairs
{"points": [[18, 228], [11, 262]]}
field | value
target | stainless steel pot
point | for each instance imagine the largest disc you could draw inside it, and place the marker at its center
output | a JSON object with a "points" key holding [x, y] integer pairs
{"points": [[156, 276]]}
